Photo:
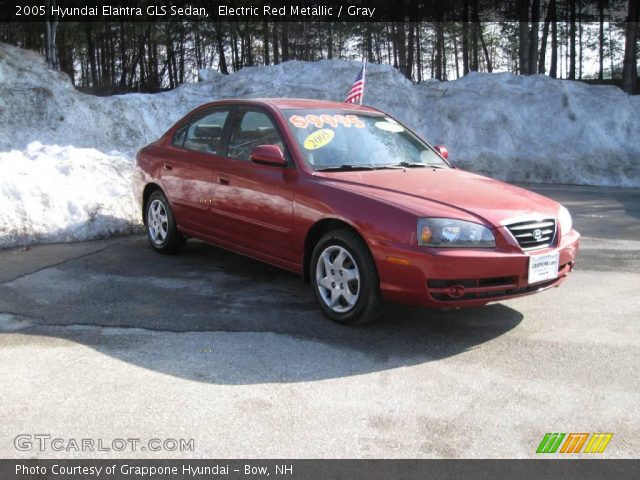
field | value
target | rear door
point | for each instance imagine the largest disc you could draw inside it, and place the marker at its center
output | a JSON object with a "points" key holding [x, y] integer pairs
{"points": [[188, 171], [253, 203]]}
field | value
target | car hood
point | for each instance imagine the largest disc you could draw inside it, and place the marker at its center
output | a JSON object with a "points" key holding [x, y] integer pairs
{"points": [[445, 192]]}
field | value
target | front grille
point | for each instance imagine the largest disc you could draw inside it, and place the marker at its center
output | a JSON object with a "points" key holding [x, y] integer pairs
{"points": [[534, 234]]}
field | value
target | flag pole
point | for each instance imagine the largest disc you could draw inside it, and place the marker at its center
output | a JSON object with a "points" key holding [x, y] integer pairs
{"points": [[364, 73]]}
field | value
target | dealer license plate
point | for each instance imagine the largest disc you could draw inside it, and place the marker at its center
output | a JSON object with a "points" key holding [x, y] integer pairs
{"points": [[543, 267]]}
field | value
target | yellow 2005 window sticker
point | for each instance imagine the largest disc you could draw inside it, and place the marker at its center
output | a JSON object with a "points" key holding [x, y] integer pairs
{"points": [[319, 139]]}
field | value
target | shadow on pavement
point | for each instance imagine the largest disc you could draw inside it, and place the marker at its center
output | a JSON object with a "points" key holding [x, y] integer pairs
{"points": [[213, 316]]}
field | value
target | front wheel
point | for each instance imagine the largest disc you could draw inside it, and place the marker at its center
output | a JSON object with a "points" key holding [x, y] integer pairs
{"points": [[344, 278], [162, 233]]}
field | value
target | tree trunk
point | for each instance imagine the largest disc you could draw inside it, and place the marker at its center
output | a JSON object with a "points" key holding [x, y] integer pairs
{"points": [[123, 57], [572, 39], [611, 50], [474, 36], [485, 50], [265, 32], [465, 38], [65, 55], [533, 38], [389, 52], [553, 70], [394, 45], [523, 36], [368, 43], [92, 54], [542, 60], [418, 53], [285, 41], [629, 67], [455, 52], [222, 61], [580, 44], [601, 40], [402, 52], [378, 48], [51, 27], [410, 49], [438, 59], [276, 53], [248, 45]]}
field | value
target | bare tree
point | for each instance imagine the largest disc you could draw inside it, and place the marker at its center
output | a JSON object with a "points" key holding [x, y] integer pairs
{"points": [[601, 4], [523, 36], [629, 67], [51, 27], [533, 37], [553, 69], [572, 39]]}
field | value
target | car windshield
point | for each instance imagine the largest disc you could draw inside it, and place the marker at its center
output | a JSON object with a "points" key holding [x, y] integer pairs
{"points": [[344, 140]]}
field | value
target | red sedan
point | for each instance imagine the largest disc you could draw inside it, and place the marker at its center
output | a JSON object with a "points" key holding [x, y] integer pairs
{"points": [[354, 201]]}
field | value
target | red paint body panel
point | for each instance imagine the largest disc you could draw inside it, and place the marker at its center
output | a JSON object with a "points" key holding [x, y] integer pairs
{"points": [[267, 212]]}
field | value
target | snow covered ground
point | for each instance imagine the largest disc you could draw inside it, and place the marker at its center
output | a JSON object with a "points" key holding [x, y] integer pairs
{"points": [[57, 194], [67, 157]]}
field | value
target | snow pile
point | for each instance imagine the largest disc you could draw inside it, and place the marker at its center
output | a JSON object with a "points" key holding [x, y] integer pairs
{"points": [[51, 193], [533, 129]]}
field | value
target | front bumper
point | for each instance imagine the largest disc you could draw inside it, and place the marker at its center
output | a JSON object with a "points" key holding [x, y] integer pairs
{"points": [[450, 278]]}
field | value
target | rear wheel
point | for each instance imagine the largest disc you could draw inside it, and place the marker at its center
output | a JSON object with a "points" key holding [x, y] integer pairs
{"points": [[162, 233], [344, 278]]}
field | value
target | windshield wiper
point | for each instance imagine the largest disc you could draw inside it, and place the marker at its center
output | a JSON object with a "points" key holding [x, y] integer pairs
{"points": [[390, 166], [338, 168], [415, 165]]}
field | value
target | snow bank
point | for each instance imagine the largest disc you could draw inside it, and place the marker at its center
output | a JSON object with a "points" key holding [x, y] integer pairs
{"points": [[54, 194], [533, 129]]}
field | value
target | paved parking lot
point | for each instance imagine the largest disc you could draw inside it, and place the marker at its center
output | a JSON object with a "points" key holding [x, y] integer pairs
{"points": [[109, 340]]}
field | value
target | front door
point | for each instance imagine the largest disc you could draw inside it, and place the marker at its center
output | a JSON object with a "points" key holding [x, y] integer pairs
{"points": [[253, 203]]}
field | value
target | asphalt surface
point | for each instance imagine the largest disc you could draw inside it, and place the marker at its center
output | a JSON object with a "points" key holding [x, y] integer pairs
{"points": [[108, 340]]}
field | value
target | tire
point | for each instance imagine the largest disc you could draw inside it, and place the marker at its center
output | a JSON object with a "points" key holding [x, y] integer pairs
{"points": [[344, 279], [160, 224]]}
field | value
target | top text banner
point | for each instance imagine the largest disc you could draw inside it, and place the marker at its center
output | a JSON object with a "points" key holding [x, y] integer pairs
{"points": [[286, 11]]}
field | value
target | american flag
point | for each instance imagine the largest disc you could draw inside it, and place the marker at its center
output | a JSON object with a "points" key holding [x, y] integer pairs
{"points": [[356, 93]]}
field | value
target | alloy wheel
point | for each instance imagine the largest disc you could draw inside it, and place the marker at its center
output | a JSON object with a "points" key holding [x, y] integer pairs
{"points": [[157, 222], [338, 279]]}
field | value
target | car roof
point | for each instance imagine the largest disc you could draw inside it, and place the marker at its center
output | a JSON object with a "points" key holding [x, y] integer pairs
{"points": [[296, 103]]}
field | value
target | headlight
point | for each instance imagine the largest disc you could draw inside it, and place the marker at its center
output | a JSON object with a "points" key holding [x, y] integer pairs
{"points": [[448, 232], [564, 218]]}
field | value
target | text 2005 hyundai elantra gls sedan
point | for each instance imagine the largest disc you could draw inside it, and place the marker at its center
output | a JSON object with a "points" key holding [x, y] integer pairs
{"points": [[354, 201]]}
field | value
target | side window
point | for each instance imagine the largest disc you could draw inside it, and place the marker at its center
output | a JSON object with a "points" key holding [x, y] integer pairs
{"points": [[205, 134], [250, 129]]}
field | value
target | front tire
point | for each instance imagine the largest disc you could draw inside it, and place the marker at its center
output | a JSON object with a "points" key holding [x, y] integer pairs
{"points": [[344, 279], [160, 223]]}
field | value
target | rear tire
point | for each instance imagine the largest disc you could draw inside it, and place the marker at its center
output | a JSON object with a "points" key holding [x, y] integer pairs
{"points": [[344, 279], [160, 224]]}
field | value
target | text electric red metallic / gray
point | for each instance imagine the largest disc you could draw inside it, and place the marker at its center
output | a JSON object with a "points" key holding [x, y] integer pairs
{"points": [[354, 201]]}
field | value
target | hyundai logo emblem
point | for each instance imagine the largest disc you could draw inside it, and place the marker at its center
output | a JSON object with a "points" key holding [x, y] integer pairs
{"points": [[537, 234]]}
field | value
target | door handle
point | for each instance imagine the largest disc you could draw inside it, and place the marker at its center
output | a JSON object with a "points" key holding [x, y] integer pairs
{"points": [[168, 166], [223, 180]]}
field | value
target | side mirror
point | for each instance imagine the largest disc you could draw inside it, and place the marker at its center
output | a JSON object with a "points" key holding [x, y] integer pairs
{"points": [[442, 150], [268, 155]]}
